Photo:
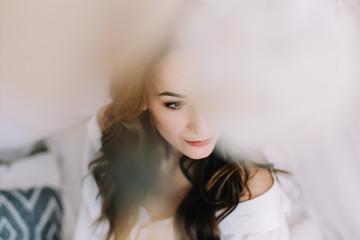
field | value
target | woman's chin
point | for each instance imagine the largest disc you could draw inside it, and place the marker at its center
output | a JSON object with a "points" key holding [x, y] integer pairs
{"points": [[198, 154]]}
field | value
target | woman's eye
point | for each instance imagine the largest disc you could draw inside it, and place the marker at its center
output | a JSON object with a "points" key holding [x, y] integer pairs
{"points": [[174, 105]]}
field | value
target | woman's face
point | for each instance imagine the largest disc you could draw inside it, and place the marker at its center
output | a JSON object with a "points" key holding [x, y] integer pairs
{"points": [[177, 116]]}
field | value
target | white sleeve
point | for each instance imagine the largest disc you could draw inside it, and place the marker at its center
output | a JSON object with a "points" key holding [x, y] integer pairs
{"points": [[90, 205], [280, 233], [261, 218], [84, 228]]}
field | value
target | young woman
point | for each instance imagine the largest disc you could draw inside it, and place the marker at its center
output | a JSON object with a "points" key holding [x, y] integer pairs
{"points": [[157, 170]]}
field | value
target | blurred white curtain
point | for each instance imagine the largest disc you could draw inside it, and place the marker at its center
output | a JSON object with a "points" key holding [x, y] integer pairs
{"points": [[328, 174], [49, 76]]}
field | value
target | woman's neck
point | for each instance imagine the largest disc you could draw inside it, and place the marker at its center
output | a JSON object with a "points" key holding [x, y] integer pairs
{"points": [[173, 186]]}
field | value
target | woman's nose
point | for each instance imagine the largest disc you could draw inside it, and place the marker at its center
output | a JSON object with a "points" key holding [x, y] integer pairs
{"points": [[198, 123]]}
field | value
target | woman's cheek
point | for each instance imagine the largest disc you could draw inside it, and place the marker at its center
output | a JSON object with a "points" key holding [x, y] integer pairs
{"points": [[173, 122]]}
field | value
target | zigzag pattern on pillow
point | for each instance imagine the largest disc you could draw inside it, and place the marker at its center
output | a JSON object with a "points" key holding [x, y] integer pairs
{"points": [[33, 214]]}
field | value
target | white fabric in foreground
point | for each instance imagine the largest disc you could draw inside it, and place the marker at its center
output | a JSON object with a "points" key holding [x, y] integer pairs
{"points": [[262, 218]]}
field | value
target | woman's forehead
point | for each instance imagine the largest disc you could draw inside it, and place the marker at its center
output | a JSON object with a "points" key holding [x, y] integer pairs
{"points": [[173, 74]]}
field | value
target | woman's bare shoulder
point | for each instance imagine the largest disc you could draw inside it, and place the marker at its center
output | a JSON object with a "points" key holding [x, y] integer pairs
{"points": [[260, 181]]}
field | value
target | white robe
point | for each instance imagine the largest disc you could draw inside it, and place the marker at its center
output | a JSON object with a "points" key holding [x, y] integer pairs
{"points": [[261, 218]]}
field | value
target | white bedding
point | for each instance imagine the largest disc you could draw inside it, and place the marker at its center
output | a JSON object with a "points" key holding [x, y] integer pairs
{"points": [[38, 170]]}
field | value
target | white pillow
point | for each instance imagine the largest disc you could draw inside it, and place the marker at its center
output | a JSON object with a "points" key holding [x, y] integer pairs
{"points": [[37, 170]]}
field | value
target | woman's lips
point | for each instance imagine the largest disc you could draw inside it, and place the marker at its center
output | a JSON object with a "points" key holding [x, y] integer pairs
{"points": [[199, 143]]}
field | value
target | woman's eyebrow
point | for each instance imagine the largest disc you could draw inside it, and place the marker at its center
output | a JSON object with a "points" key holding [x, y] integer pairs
{"points": [[171, 94]]}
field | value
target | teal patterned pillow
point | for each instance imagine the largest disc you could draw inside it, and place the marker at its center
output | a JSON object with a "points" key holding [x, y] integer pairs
{"points": [[33, 214]]}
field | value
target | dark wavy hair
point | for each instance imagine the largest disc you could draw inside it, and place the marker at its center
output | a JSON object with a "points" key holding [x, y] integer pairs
{"points": [[132, 150]]}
